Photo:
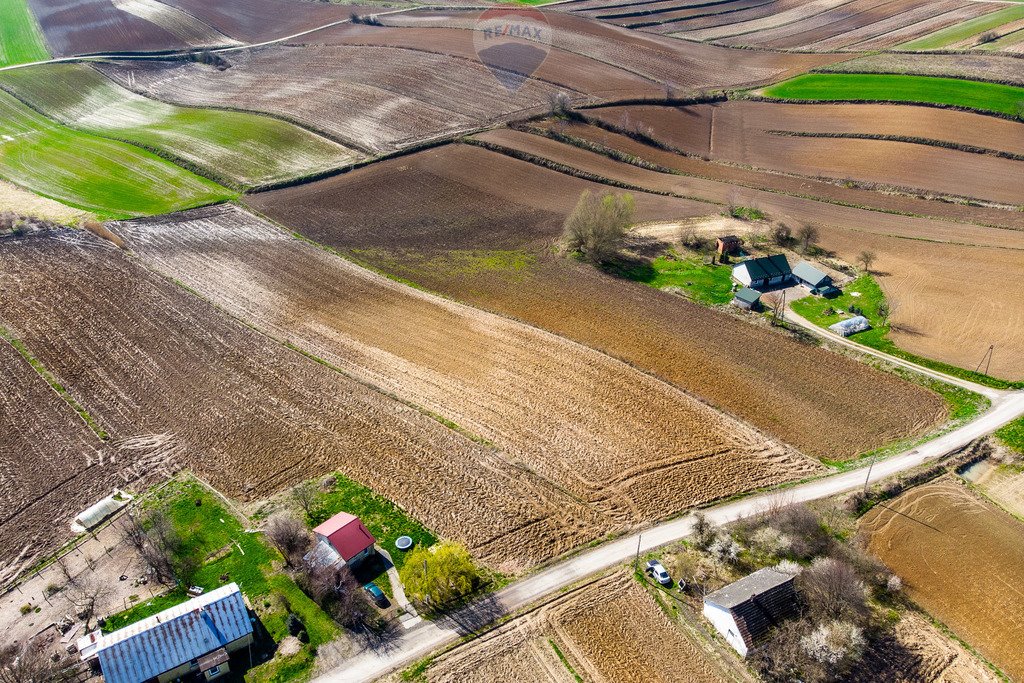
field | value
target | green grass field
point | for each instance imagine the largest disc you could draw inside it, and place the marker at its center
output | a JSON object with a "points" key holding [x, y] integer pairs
{"points": [[1006, 41], [109, 178], [992, 97], [1013, 435], [709, 285], [964, 30], [21, 41], [235, 148]]}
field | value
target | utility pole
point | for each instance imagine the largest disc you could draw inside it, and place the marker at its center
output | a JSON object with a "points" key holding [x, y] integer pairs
{"points": [[867, 479], [986, 357], [636, 560]]}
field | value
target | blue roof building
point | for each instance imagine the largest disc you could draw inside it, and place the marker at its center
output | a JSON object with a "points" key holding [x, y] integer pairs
{"points": [[194, 638]]}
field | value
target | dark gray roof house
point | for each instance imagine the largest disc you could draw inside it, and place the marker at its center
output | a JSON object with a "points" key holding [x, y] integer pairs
{"points": [[745, 610], [746, 298], [763, 272], [811, 276]]}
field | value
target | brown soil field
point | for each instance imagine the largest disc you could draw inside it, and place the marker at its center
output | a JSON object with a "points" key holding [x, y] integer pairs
{"points": [[1005, 486], [76, 27], [917, 652], [977, 66], [944, 312], [144, 357], [760, 11], [254, 21], [688, 129], [642, 19], [369, 98], [962, 560], [604, 630], [748, 371], [631, 446], [567, 69], [52, 466], [685, 66], [883, 33], [783, 14]]}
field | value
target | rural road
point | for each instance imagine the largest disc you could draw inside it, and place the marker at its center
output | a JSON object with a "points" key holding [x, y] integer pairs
{"points": [[427, 637]]}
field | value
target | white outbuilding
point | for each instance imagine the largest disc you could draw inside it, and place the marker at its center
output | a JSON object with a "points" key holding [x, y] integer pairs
{"points": [[744, 611]]}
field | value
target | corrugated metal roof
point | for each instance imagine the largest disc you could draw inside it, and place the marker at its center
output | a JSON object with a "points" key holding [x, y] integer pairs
{"points": [[750, 586], [174, 637], [766, 267], [748, 295], [809, 274]]}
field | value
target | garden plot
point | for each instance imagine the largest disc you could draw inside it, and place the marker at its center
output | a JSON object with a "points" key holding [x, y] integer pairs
{"points": [[478, 226], [77, 27], [144, 357], [601, 632], [241, 149], [371, 98], [962, 560], [634, 448], [108, 177]]}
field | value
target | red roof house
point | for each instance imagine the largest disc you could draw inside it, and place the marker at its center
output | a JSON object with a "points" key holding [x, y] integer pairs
{"points": [[348, 537]]}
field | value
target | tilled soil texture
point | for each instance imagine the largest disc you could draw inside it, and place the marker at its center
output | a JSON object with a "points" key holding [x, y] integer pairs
{"points": [[144, 357], [937, 274], [683, 66], [494, 206], [962, 560], [914, 651], [52, 466], [632, 447], [975, 66], [370, 98], [79, 27], [604, 631]]}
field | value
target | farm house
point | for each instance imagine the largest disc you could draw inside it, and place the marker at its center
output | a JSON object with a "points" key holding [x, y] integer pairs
{"points": [[195, 637], [342, 538], [850, 326], [745, 610], [814, 279], [767, 271]]}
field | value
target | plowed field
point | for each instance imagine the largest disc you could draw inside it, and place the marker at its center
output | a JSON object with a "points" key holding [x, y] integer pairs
{"points": [[370, 98], [631, 446], [604, 631], [980, 67], [760, 376], [145, 357], [256, 21], [962, 560]]}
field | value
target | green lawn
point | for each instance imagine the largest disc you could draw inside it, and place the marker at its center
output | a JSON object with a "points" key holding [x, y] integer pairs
{"points": [[704, 284], [871, 295], [236, 148], [385, 520], [1013, 435], [964, 30], [109, 178], [1003, 99], [208, 528], [21, 41]]}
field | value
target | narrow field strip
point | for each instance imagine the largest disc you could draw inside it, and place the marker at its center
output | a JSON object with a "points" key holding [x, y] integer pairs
{"points": [[21, 40], [107, 177], [239, 149], [983, 97], [964, 30]]}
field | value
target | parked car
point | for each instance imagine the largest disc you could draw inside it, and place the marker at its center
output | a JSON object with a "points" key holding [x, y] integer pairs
{"points": [[376, 594], [658, 573]]}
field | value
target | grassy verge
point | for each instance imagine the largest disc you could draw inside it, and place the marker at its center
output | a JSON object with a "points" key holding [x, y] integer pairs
{"points": [[985, 97], [230, 553], [385, 520], [706, 284], [964, 30], [21, 41], [564, 661], [1012, 435], [824, 312]]}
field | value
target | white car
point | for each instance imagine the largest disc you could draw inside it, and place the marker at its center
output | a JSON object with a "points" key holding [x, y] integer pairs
{"points": [[657, 571]]}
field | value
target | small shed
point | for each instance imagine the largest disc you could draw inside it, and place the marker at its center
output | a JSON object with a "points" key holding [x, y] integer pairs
{"points": [[811, 277], [747, 299], [850, 326], [767, 271], [342, 537], [744, 611], [728, 244]]}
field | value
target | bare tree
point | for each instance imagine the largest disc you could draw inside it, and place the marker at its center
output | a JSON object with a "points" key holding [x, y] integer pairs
{"points": [[160, 547], [289, 535], [306, 495], [866, 258], [808, 235], [782, 234], [85, 595], [31, 663], [833, 591], [336, 590], [597, 227], [774, 301]]}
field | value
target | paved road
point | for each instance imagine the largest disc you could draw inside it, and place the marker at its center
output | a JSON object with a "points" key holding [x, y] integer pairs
{"points": [[428, 637]]}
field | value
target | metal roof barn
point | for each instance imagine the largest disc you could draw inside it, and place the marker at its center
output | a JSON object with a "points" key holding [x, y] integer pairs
{"points": [[174, 637]]}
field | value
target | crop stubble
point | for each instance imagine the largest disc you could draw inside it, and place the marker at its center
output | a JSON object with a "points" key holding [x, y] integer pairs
{"points": [[631, 446], [144, 357]]}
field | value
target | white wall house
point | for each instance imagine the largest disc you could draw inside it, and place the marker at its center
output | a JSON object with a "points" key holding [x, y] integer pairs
{"points": [[764, 272], [746, 610]]}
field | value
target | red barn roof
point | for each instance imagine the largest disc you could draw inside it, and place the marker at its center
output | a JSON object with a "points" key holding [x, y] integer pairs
{"points": [[346, 534]]}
